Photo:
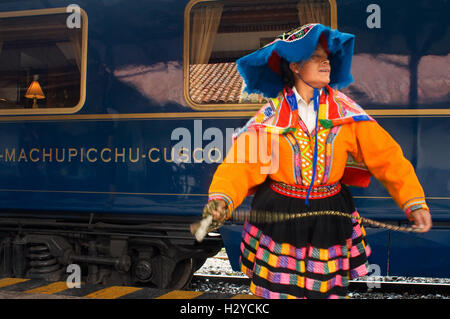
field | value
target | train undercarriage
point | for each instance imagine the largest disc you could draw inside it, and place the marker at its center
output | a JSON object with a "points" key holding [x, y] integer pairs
{"points": [[156, 251]]}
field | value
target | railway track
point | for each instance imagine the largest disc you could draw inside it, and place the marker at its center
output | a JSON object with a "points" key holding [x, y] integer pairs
{"points": [[356, 287], [215, 276]]}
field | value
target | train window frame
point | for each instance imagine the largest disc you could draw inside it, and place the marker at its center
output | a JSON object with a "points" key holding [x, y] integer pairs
{"points": [[186, 62], [83, 63]]}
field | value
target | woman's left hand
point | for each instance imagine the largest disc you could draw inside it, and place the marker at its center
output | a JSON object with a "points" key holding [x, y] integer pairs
{"points": [[422, 220]]}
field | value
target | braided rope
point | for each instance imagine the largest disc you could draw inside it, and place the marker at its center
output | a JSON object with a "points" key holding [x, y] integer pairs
{"points": [[207, 224], [270, 217]]}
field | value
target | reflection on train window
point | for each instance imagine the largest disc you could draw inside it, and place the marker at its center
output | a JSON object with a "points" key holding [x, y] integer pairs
{"points": [[40, 63], [220, 32]]}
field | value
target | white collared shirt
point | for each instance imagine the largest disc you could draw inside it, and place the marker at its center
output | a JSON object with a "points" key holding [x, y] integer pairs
{"points": [[306, 111]]}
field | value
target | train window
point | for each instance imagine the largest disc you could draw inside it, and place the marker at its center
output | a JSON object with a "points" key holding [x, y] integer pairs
{"points": [[42, 61], [217, 33]]}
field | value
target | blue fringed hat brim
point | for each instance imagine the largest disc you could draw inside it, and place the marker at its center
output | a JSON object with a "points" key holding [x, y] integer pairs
{"points": [[260, 69]]}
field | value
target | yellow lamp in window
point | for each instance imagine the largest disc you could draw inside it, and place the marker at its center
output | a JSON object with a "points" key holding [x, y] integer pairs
{"points": [[35, 92]]}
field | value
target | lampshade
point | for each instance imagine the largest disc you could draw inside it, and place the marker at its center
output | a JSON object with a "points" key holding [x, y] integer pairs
{"points": [[35, 91]]}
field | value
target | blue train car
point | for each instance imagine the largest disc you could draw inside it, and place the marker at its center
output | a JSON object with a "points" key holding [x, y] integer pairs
{"points": [[115, 114]]}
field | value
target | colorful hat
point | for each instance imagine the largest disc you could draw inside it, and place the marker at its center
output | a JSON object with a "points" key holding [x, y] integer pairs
{"points": [[261, 69]]}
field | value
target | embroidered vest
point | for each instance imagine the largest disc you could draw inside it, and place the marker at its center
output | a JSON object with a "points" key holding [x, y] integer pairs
{"points": [[280, 116]]}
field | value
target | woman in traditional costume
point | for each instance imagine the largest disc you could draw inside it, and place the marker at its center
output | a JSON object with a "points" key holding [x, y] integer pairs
{"points": [[318, 141]]}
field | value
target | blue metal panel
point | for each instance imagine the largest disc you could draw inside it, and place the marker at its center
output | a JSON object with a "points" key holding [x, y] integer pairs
{"points": [[128, 178], [231, 235], [118, 55], [378, 240], [426, 255]]}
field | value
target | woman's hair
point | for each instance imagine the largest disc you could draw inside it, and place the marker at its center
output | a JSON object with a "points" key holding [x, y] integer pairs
{"points": [[286, 73]]}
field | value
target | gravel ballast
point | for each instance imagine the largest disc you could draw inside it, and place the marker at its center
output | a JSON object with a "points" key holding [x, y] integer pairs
{"points": [[219, 265]]}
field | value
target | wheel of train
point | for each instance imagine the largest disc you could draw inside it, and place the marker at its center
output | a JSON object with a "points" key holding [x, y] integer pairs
{"points": [[162, 261]]}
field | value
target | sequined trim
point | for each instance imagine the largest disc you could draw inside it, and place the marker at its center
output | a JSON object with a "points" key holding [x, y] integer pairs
{"points": [[299, 191]]}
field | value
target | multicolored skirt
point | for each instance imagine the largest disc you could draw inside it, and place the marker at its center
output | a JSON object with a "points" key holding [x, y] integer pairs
{"points": [[308, 257]]}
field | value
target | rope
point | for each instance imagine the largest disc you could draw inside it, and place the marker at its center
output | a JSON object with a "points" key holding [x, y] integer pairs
{"points": [[270, 217], [206, 225]]}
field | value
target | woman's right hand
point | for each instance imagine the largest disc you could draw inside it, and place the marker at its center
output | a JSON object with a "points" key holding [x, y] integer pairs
{"points": [[217, 208], [214, 215]]}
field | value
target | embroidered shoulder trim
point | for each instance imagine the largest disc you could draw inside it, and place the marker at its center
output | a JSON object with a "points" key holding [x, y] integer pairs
{"points": [[263, 118]]}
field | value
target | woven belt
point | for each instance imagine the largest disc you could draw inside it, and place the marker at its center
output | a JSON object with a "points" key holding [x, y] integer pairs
{"points": [[298, 191]]}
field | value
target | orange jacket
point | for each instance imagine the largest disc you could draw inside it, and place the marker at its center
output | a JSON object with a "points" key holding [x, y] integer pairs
{"points": [[257, 154]]}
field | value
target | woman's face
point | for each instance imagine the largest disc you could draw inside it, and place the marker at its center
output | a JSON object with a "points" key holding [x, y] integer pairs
{"points": [[315, 71]]}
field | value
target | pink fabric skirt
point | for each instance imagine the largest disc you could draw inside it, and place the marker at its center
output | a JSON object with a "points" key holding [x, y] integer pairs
{"points": [[308, 257]]}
